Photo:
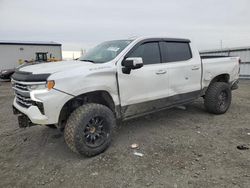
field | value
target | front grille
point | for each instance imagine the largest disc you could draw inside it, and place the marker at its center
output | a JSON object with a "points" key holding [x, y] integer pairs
{"points": [[21, 86], [22, 94], [23, 101]]}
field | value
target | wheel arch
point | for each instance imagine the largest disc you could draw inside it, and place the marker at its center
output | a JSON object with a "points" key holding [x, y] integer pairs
{"points": [[221, 78], [224, 77], [100, 97]]}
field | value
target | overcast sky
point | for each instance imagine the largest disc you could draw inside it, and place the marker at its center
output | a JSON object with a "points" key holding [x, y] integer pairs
{"points": [[83, 23]]}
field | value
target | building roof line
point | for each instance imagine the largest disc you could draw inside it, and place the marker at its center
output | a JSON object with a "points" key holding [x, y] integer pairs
{"points": [[33, 43]]}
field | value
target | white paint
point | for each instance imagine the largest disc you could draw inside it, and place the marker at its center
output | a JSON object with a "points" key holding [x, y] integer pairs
{"points": [[141, 85], [242, 52]]}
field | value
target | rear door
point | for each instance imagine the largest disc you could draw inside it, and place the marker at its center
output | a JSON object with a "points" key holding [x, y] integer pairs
{"points": [[141, 90], [184, 70]]}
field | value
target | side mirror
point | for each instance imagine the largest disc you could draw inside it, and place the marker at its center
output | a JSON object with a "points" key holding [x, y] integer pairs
{"points": [[131, 63]]}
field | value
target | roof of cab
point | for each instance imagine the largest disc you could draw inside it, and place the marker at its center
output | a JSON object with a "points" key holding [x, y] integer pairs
{"points": [[160, 38]]}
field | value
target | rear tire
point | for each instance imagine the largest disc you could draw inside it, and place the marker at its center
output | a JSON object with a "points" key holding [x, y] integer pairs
{"points": [[89, 129], [218, 98]]}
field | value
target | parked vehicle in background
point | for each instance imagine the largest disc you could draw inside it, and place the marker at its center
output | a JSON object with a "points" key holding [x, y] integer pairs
{"points": [[120, 79], [6, 74]]}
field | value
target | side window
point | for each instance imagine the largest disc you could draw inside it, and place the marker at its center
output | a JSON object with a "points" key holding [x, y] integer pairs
{"points": [[149, 52], [177, 51]]}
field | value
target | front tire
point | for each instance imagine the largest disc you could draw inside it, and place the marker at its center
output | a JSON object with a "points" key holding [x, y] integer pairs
{"points": [[218, 98], [89, 129]]}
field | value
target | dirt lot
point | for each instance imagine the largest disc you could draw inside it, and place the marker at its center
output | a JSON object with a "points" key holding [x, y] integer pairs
{"points": [[182, 148]]}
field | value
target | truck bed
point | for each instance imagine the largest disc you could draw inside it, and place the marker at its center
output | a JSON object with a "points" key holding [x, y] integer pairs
{"points": [[217, 65]]}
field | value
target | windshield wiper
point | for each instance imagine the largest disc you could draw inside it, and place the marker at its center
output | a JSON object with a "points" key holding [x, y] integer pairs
{"points": [[87, 60]]}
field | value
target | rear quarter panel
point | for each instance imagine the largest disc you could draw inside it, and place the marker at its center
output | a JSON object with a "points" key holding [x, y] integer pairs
{"points": [[216, 66]]}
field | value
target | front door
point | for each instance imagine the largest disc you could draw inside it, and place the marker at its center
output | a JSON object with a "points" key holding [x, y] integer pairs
{"points": [[141, 91]]}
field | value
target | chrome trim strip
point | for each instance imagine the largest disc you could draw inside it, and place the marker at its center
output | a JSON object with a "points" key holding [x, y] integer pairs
{"points": [[27, 83], [24, 91]]}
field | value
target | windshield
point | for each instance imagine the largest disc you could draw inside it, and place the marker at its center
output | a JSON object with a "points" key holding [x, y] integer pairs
{"points": [[105, 51]]}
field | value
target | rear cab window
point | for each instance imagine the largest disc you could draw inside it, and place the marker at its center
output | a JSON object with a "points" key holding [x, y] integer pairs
{"points": [[176, 51]]}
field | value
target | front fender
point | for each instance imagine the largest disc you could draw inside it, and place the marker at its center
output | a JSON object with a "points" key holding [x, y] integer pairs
{"points": [[78, 83]]}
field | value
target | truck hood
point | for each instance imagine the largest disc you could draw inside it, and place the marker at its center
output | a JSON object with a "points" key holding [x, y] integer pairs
{"points": [[53, 67]]}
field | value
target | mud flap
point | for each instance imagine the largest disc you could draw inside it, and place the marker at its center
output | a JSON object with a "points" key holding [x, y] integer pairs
{"points": [[235, 85]]}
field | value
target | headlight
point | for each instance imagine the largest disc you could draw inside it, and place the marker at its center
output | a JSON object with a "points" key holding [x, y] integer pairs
{"points": [[49, 85], [37, 87]]}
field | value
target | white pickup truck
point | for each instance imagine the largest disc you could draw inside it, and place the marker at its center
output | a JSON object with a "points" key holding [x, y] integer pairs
{"points": [[119, 80]]}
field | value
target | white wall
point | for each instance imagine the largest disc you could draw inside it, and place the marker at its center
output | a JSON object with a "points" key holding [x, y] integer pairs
{"points": [[11, 54], [69, 55]]}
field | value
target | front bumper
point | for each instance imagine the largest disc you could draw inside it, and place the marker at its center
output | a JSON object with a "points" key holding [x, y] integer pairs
{"points": [[52, 101], [33, 113]]}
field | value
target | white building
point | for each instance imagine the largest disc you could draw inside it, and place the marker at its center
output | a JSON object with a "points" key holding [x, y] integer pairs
{"points": [[242, 52], [14, 53]]}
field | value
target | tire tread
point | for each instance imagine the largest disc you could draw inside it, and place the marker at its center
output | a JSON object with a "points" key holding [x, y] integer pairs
{"points": [[74, 120], [210, 97]]}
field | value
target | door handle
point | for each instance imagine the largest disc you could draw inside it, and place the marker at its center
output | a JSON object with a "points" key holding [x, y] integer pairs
{"points": [[195, 68], [161, 72]]}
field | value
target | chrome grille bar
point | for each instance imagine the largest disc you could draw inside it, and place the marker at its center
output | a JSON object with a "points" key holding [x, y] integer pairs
{"points": [[22, 93]]}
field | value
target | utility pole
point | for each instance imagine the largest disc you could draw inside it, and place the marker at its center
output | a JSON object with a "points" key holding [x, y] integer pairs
{"points": [[220, 45]]}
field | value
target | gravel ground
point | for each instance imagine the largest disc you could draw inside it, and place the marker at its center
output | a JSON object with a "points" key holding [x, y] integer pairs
{"points": [[181, 147]]}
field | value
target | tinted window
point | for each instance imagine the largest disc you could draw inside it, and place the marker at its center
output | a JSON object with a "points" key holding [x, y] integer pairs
{"points": [[149, 52], [177, 51]]}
